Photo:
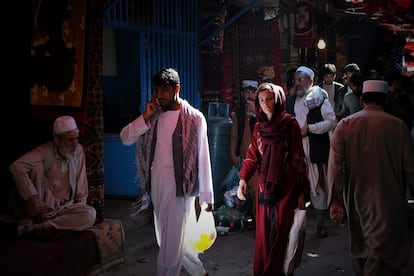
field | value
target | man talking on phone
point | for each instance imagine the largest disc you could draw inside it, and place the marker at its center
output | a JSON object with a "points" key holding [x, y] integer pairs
{"points": [[174, 168]]}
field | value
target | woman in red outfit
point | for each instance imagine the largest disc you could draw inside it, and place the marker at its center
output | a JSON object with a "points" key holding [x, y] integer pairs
{"points": [[276, 151]]}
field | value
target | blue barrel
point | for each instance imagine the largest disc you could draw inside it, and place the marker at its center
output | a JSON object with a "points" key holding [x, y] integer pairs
{"points": [[219, 135]]}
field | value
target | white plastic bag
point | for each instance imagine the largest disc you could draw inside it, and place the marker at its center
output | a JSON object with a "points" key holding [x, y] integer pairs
{"points": [[202, 233], [296, 241]]}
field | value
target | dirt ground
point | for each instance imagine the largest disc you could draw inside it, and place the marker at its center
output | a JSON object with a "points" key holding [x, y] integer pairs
{"points": [[231, 254]]}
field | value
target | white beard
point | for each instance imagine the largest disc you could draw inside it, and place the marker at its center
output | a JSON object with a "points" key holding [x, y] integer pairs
{"points": [[303, 91], [66, 152]]}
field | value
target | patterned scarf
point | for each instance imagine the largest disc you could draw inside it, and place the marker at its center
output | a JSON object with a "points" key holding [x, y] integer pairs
{"points": [[190, 150]]}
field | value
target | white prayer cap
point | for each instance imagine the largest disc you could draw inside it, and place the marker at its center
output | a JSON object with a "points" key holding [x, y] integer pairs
{"points": [[249, 84], [64, 124], [306, 70], [351, 67], [376, 86]]}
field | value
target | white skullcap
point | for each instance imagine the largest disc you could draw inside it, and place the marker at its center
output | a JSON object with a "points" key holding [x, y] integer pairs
{"points": [[64, 124], [250, 83], [376, 86], [306, 70]]}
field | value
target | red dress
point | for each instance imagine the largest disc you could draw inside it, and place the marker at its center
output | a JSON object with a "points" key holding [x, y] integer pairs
{"points": [[276, 151]]}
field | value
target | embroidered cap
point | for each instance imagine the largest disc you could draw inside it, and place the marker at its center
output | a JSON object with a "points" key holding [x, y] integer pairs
{"points": [[249, 84], [64, 124], [309, 72], [375, 86]]}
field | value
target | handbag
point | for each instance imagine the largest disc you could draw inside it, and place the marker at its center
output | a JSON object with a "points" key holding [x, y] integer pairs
{"points": [[296, 242]]}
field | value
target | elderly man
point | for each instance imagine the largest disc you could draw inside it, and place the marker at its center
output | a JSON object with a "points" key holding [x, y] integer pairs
{"points": [[371, 164], [51, 184], [313, 111]]}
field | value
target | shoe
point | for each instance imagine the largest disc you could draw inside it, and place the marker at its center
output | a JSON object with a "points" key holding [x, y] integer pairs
{"points": [[321, 232]]}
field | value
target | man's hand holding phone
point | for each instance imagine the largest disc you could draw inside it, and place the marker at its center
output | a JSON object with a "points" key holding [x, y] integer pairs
{"points": [[151, 107]]}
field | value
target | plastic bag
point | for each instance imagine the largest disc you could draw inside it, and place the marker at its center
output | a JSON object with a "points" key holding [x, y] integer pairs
{"points": [[231, 180], [296, 242], [230, 197], [231, 200], [229, 220], [202, 233]]}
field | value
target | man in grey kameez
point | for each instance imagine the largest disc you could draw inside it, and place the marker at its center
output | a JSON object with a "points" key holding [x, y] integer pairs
{"points": [[51, 184]]}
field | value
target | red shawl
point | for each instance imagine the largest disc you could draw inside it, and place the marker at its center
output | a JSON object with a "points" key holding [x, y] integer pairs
{"points": [[277, 150]]}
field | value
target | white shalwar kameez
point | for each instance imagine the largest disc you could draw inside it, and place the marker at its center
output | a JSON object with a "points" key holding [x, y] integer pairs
{"points": [[171, 213], [318, 197], [170, 208]]}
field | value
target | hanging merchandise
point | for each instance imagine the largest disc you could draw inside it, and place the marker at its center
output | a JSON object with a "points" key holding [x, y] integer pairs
{"points": [[408, 55]]}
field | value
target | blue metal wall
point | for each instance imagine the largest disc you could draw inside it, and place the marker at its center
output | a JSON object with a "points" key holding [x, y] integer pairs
{"points": [[120, 168], [168, 35]]}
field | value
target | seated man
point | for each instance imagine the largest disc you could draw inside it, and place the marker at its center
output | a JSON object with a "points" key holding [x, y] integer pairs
{"points": [[51, 184]]}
